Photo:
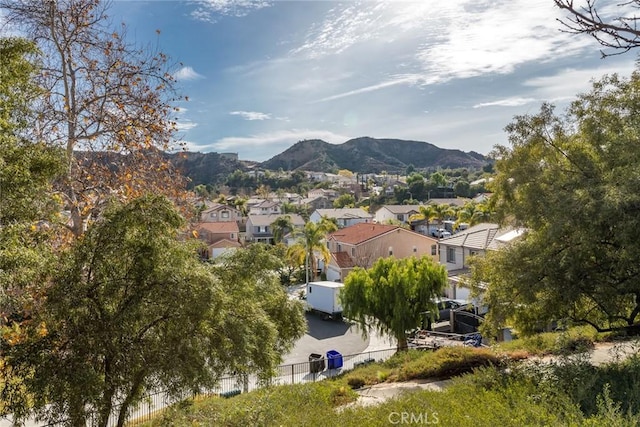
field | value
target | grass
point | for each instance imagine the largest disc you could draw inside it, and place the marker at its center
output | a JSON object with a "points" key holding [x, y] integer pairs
{"points": [[561, 342], [523, 395]]}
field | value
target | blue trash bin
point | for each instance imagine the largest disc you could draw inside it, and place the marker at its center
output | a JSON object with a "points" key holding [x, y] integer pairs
{"points": [[334, 359]]}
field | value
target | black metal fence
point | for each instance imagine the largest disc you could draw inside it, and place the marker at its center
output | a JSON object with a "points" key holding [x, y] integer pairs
{"points": [[316, 369]]}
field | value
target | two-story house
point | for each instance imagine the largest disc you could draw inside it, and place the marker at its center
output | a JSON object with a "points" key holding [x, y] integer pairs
{"points": [[345, 217], [259, 228], [218, 212], [265, 207], [360, 245], [220, 237], [401, 213]]}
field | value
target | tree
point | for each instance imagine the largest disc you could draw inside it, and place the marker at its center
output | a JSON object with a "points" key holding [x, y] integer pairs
{"points": [[442, 211], [425, 212], [393, 295], [312, 240], [131, 309], [438, 179], [620, 33], [462, 189], [344, 201], [104, 102], [280, 227], [27, 171], [572, 183]]}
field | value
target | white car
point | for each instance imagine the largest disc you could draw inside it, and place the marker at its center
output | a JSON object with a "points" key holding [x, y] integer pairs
{"points": [[441, 233]]}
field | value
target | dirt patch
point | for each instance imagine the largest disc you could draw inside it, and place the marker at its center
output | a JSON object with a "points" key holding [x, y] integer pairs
{"points": [[379, 393]]}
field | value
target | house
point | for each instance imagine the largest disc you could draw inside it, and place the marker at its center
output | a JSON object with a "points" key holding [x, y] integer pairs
{"points": [[456, 201], [217, 212], [321, 192], [259, 228], [400, 213], [455, 251], [313, 203], [345, 217], [364, 243], [265, 207], [220, 237]]}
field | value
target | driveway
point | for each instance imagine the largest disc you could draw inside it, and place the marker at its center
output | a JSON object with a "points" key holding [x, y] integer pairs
{"points": [[325, 335]]}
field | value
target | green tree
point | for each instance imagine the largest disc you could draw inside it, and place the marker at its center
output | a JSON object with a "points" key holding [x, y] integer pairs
{"points": [[131, 309], [462, 189], [27, 171], [344, 201], [426, 212], [27, 168], [393, 295], [438, 179], [312, 240], [441, 212], [572, 183], [280, 227]]}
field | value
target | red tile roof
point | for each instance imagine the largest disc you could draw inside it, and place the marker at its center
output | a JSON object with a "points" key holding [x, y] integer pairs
{"points": [[361, 232], [343, 260]]}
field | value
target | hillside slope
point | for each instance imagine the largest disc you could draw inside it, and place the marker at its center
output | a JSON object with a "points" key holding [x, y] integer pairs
{"points": [[371, 155]]}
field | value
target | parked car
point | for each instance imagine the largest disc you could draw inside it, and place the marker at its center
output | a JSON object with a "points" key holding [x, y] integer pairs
{"points": [[441, 233]]}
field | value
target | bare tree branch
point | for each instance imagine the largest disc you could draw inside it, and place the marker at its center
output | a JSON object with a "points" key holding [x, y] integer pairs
{"points": [[620, 33]]}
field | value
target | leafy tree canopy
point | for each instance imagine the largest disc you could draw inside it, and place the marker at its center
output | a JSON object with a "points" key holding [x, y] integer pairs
{"points": [[572, 182], [393, 295], [131, 309]]}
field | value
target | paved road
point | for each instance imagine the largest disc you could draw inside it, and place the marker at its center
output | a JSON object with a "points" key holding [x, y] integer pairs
{"points": [[325, 335]]}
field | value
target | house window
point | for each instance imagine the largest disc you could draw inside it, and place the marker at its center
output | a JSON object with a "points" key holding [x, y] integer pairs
{"points": [[415, 249], [400, 217], [233, 236], [339, 247], [213, 214], [225, 214], [262, 229], [390, 250], [353, 251], [451, 255], [434, 250]]}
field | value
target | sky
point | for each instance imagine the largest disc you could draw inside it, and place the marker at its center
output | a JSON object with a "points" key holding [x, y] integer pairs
{"points": [[263, 75]]}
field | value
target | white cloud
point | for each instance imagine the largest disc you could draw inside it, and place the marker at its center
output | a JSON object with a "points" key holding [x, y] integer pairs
{"points": [[251, 115], [569, 82], [185, 125], [207, 10], [507, 102], [187, 73], [438, 41]]}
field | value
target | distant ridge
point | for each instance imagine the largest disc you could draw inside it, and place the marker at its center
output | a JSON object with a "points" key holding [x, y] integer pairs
{"points": [[371, 155]]}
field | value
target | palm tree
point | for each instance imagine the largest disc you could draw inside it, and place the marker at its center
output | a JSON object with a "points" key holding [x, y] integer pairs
{"points": [[280, 227], [426, 212], [312, 239], [442, 212]]}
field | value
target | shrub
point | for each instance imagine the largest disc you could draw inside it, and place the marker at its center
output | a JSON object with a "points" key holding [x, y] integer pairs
{"points": [[356, 382]]}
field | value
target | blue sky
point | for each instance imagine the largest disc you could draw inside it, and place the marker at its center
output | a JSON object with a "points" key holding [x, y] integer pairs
{"points": [[262, 75]]}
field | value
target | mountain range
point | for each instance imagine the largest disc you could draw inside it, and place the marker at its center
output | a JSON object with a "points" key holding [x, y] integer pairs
{"points": [[360, 155], [371, 155]]}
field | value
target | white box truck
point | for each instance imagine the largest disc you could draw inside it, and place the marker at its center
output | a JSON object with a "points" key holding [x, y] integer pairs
{"points": [[323, 298]]}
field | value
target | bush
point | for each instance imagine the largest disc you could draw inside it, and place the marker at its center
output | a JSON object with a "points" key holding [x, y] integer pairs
{"points": [[356, 382]]}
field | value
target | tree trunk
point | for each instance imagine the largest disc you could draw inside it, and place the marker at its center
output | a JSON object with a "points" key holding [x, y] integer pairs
{"points": [[403, 345], [133, 392]]}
